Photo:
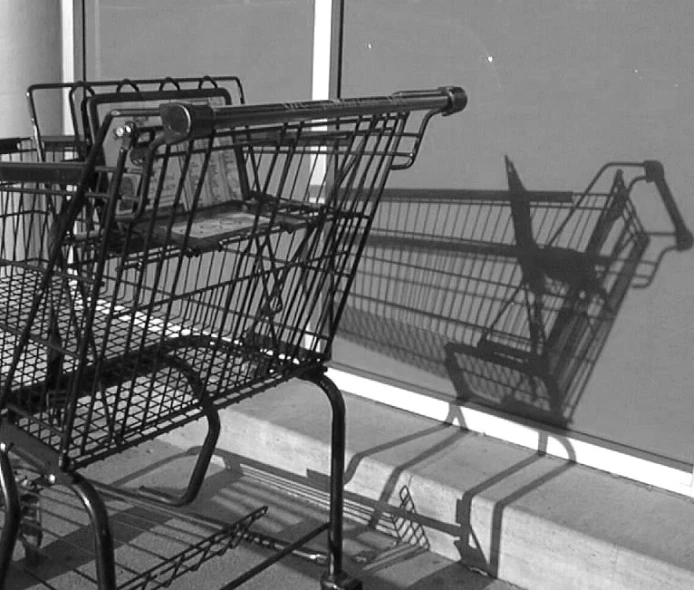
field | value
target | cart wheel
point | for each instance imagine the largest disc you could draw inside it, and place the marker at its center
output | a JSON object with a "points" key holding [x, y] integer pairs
{"points": [[262, 368], [32, 556], [343, 582], [30, 531]]}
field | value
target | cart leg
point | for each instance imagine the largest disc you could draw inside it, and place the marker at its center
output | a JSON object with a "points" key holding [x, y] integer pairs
{"points": [[10, 528], [335, 578], [103, 540], [197, 477]]}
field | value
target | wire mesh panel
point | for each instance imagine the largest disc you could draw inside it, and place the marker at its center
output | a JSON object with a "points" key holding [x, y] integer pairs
{"points": [[199, 255], [152, 546]]}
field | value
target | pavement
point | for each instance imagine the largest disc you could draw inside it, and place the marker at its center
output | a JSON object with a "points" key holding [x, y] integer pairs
{"points": [[532, 520], [233, 487], [427, 505]]}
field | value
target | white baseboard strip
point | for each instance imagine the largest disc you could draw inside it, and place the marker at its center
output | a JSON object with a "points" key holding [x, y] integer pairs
{"points": [[569, 448]]}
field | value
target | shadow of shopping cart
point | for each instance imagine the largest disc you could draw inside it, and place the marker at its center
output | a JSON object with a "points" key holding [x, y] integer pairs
{"points": [[509, 294]]}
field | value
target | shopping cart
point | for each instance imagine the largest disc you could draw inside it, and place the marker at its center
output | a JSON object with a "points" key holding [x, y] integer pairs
{"points": [[198, 256], [509, 295], [74, 95]]}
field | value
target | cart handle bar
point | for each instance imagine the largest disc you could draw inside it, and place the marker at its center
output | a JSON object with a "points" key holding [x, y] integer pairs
{"points": [[656, 173], [183, 122]]}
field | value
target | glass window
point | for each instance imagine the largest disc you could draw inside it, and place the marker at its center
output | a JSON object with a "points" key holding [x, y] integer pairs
{"points": [[268, 44], [561, 88]]}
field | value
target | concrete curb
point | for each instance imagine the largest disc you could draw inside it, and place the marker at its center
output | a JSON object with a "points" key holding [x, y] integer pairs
{"points": [[531, 520]]}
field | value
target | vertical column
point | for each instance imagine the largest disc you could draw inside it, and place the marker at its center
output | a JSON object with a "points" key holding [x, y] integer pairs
{"points": [[31, 48], [328, 21]]}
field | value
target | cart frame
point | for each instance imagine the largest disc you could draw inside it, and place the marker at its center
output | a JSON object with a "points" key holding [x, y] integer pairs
{"points": [[122, 328]]}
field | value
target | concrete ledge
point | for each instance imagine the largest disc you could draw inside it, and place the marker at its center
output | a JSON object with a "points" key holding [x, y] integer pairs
{"points": [[530, 519]]}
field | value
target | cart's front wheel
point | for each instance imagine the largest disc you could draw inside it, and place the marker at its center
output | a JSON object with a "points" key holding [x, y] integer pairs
{"points": [[30, 531], [341, 582]]}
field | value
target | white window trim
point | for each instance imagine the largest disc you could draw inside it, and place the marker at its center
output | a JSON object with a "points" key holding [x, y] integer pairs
{"points": [[69, 50], [570, 448]]}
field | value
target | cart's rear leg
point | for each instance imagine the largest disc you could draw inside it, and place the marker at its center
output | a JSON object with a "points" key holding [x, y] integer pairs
{"points": [[101, 531], [10, 526], [197, 477], [335, 578]]}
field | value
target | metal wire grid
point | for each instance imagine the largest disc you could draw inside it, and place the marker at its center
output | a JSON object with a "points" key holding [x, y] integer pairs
{"points": [[153, 545], [140, 318]]}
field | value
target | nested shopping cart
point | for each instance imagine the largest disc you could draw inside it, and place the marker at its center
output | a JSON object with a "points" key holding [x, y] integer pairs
{"points": [[74, 96], [199, 255], [510, 294]]}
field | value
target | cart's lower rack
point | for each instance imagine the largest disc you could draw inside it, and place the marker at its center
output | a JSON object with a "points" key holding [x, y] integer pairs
{"points": [[153, 544]]}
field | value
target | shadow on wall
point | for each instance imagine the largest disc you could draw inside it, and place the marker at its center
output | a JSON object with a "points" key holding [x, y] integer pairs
{"points": [[510, 294]]}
